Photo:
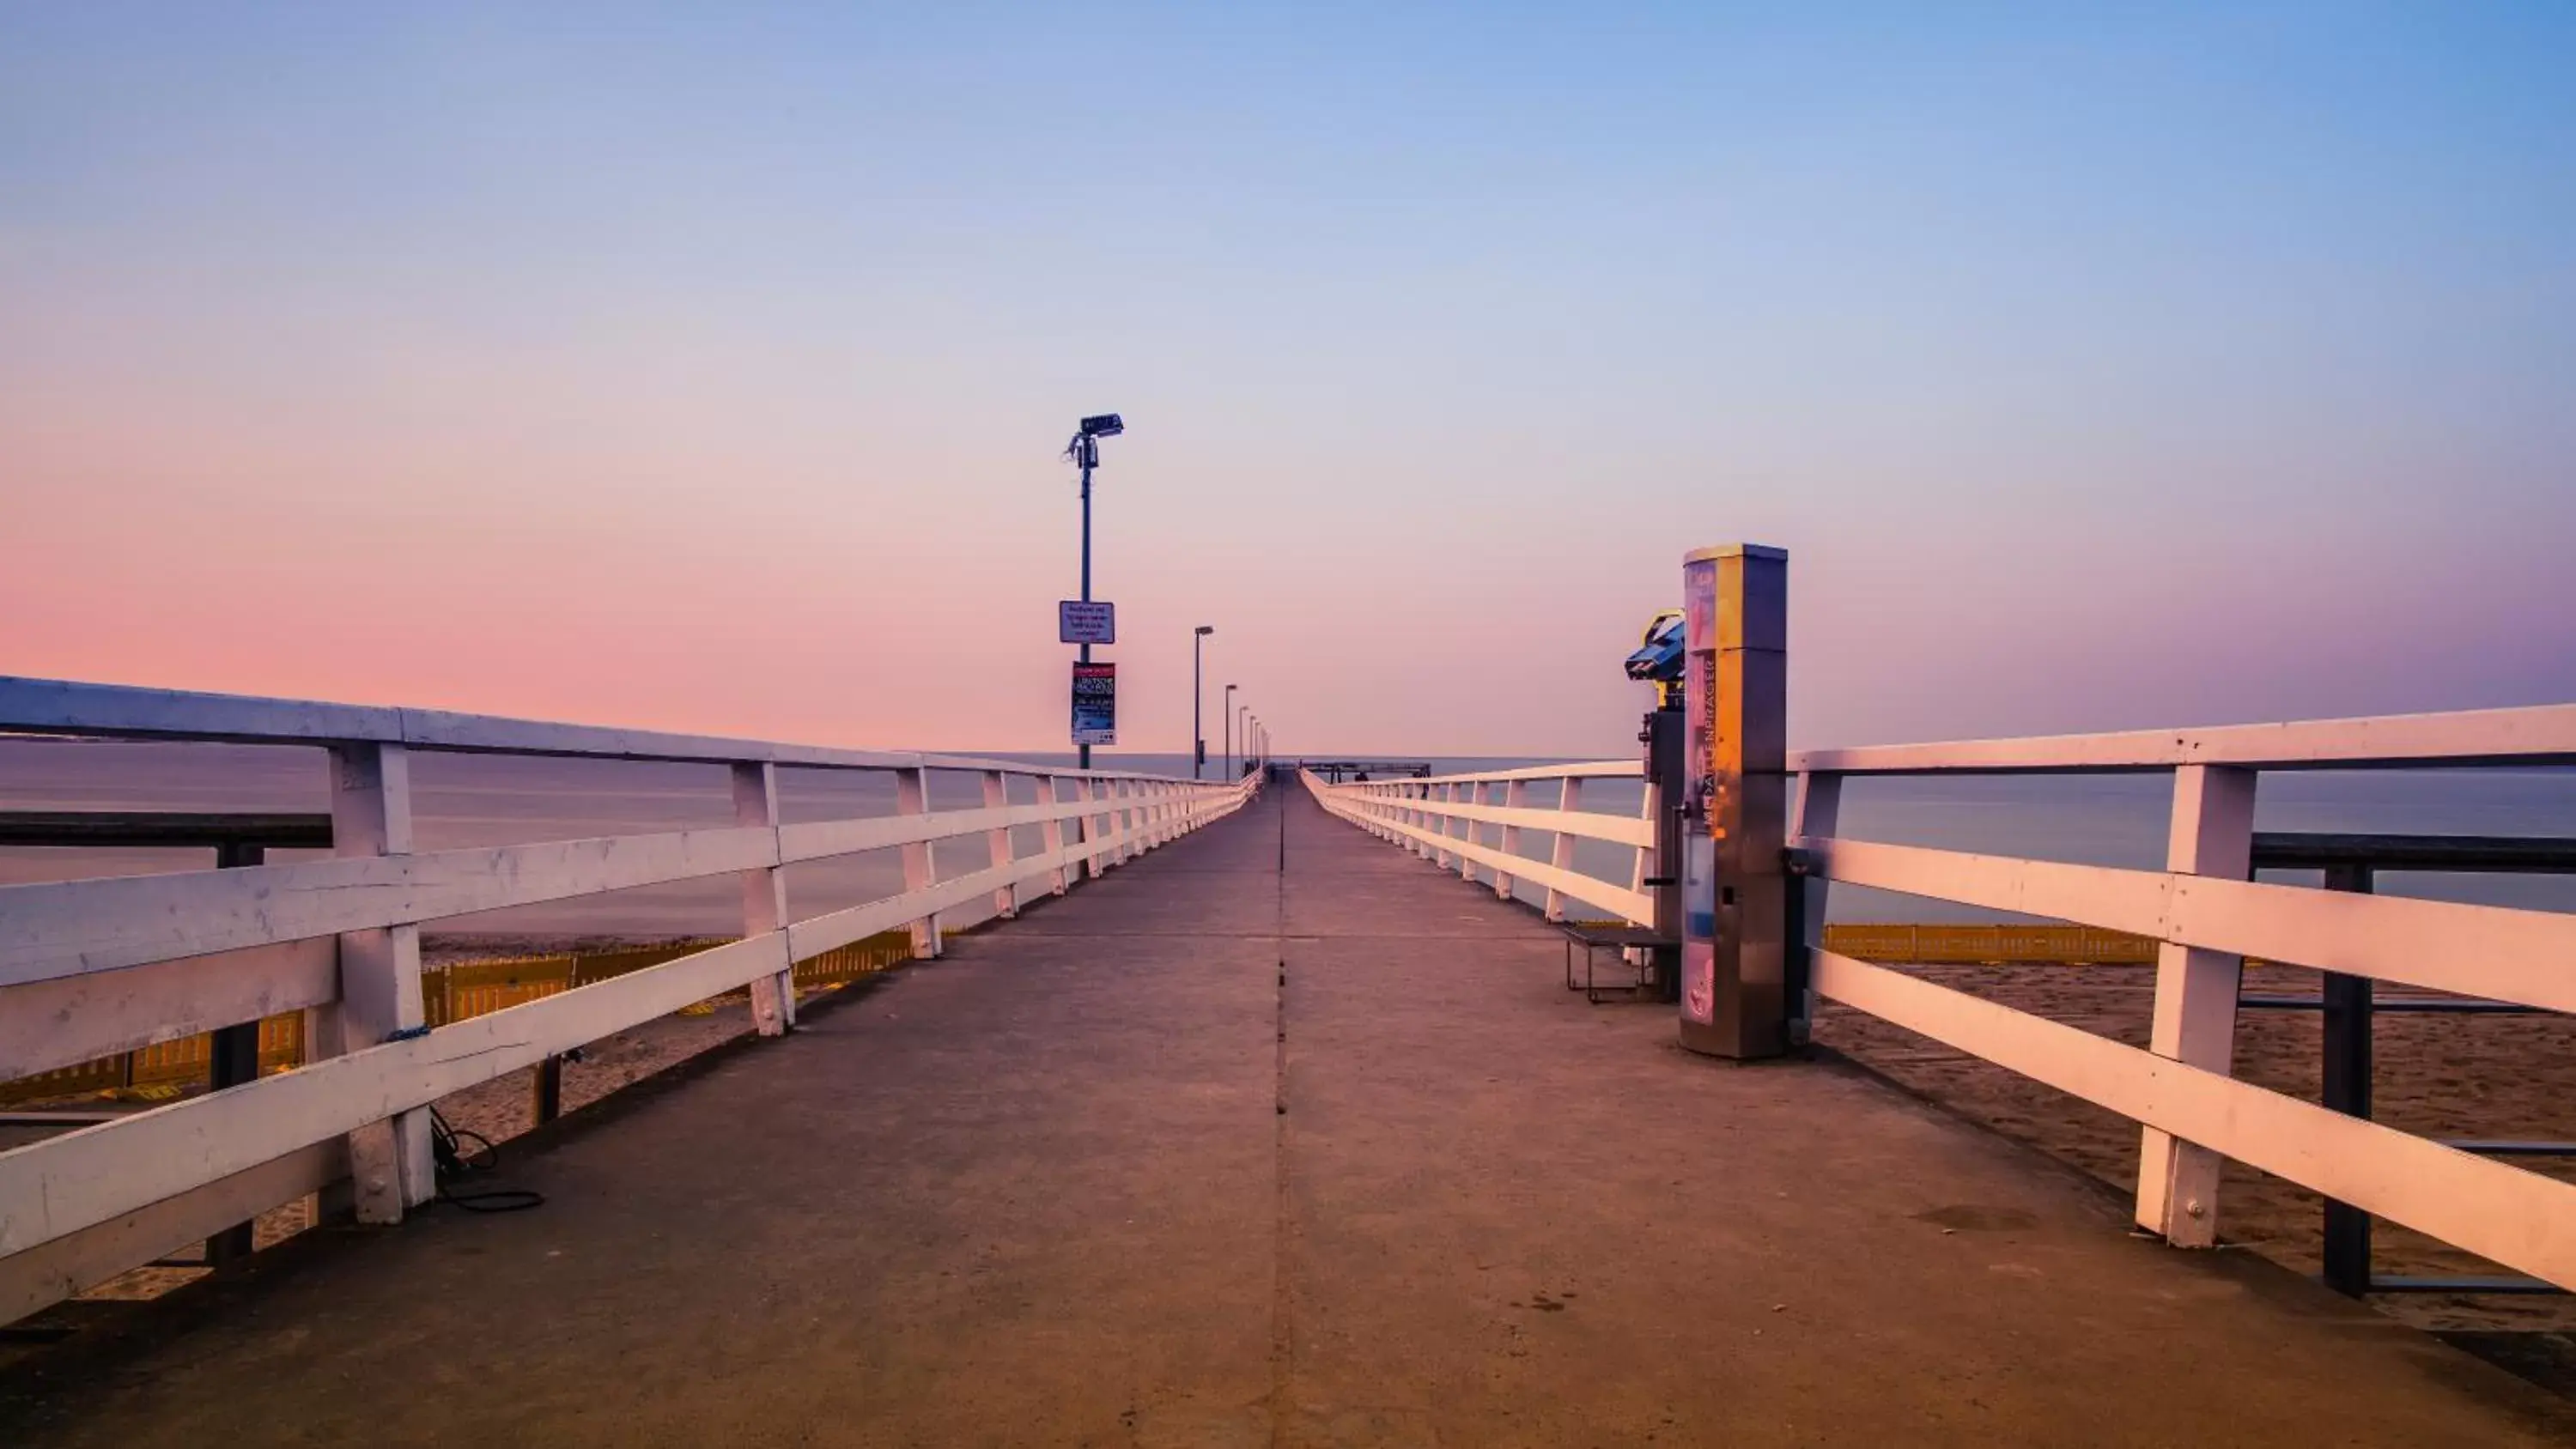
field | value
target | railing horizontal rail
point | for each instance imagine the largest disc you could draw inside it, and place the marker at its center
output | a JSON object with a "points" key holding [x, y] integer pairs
{"points": [[1579, 770], [2538, 735], [2302, 850], [1588, 824], [68, 928], [2517, 1218], [1387, 806], [164, 829], [2474, 950], [63, 707], [72, 1019]]}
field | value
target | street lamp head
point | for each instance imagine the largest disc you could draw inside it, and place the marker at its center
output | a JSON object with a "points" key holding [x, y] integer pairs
{"points": [[1104, 425], [1207, 628]]}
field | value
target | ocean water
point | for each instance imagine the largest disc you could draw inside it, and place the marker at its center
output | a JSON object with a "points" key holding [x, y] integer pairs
{"points": [[469, 800]]}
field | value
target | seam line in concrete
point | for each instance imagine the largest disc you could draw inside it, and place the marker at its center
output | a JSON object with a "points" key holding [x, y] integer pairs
{"points": [[1282, 1338]]}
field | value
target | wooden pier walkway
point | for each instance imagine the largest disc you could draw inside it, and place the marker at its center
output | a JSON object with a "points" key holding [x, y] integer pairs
{"points": [[1274, 1137]]}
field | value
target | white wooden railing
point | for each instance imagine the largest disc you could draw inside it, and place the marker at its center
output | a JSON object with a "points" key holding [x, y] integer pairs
{"points": [[93, 967], [1446, 819], [2207, 914]]}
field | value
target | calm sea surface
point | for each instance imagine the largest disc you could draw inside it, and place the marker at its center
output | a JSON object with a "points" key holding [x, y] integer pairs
{"points": [[466, 800]]}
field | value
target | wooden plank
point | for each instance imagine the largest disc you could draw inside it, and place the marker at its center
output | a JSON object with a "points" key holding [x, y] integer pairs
{"points": [[819, 934], [165, 829], [68, 927], [2517, 1218], [2539, 735], [380, 989], [1631, 905], [78, 1180], [920, 869], [1820, 804], [817, 840], [55, 706], [1051, 837], [1094, 827], [2123, 900], [47, 1274], [1634, 830], [2195, 1006], [997, 842], [67, 1020], [764, 896], [1579, 769], [1515, 798], [2491, 951], [1561, 855]]}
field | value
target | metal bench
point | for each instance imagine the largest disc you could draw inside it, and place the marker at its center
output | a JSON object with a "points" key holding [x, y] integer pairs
{"points": [[1621, 939]]}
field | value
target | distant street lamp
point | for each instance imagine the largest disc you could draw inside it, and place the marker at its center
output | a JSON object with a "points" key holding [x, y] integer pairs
{"points": [[1198, 736], [1229, 731], [1084, 450]]}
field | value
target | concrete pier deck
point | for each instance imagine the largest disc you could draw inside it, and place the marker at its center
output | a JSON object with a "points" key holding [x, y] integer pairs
{"points": [[1277, 1136]]}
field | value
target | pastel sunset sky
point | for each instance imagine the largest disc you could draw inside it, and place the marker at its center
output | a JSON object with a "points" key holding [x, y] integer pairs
{"points": [[707, 367]]}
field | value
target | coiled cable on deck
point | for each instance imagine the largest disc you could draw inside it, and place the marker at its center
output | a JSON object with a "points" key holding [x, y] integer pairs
{"points": [[455, 1162]]}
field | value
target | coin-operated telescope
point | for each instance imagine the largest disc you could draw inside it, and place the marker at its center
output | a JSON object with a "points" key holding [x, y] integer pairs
{"points": [[1658, 661]]}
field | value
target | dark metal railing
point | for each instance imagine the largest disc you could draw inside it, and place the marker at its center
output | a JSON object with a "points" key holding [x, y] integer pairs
{"points": [[2351, 863]]}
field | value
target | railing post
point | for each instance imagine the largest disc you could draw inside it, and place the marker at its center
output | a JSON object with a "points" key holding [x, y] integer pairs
{"points": [[1515, 797], [2346, 1086], [920, 865], [1646, 862], [1569, 800], [764, 896], [1051, 837], [232, 1059], [380, 995], [1820, 806], [2195, 1012], [997, 842], [1094, 825], [1447, 824], [1735, 769], [1464, 828]]}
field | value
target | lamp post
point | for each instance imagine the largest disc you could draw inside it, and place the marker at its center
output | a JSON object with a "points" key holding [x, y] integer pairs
{"points": [[1084, 450], [1243, 728], [1198, 736], [1229, 731]]}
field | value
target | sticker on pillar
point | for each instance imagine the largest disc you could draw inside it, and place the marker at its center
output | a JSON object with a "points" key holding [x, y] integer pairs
{"points": [[1699, 784], [1095, 704]]}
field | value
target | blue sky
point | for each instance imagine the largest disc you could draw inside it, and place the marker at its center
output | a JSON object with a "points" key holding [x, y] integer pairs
{"points": [[2100, 365]]}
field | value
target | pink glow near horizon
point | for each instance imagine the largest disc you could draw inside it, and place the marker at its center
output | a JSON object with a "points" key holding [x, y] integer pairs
{"points": [[463, 397]]}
